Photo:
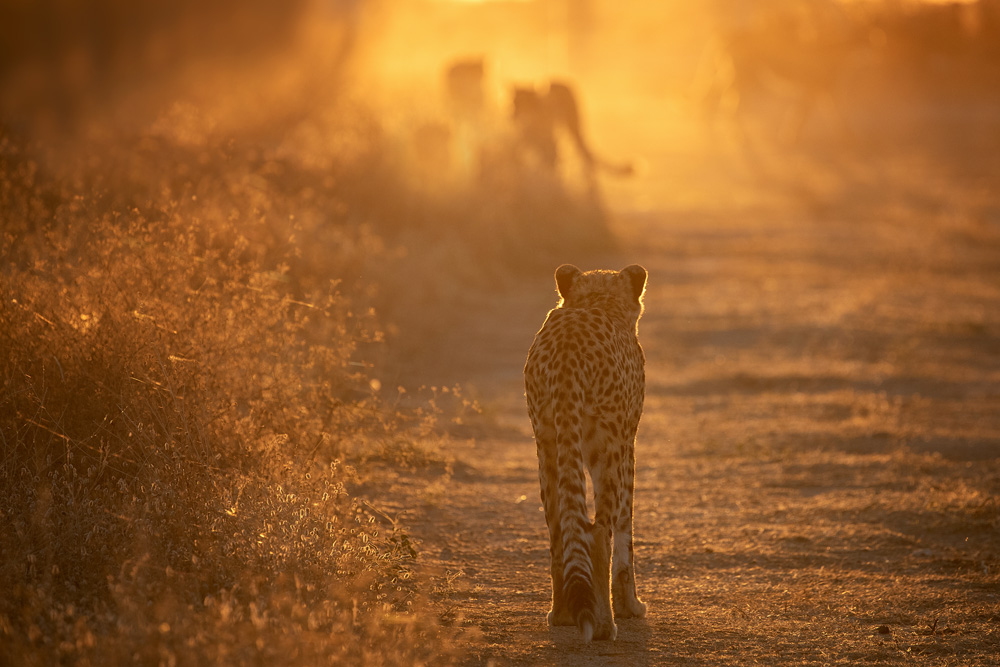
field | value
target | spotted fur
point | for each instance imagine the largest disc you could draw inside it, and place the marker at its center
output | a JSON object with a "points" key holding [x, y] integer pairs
{"points": [[585, 381]]}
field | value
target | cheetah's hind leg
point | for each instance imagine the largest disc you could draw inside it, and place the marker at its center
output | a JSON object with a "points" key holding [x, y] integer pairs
{"points": [[625, 600], [600, 558]]}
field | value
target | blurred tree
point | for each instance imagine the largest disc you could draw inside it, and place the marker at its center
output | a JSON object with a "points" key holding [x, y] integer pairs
{"points": [[62, 60]]}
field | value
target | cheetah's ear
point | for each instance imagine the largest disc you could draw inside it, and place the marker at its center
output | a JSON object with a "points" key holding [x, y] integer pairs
{"points": [[636, 275], [565, 275]]}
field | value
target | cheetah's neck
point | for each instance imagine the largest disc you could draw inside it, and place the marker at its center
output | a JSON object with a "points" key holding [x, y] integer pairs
{"points": [[611, 307]]}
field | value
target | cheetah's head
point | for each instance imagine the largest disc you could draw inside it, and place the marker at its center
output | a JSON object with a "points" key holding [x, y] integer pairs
{"points": [[614, 291]]}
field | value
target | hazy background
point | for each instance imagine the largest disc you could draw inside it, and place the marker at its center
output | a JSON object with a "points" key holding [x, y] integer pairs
{"points": [[686, 83]]}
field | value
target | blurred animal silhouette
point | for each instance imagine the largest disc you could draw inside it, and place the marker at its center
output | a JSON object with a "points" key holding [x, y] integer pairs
{"points": [[464, 89], [539, 117], [457, 144], [472, 144]]}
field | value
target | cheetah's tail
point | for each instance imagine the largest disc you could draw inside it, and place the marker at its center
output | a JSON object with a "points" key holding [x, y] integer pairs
{"points": [[580, 598], [578, 585]]}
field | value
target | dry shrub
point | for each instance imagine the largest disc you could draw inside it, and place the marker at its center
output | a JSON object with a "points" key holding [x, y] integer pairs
{"points": [[179, 384]]}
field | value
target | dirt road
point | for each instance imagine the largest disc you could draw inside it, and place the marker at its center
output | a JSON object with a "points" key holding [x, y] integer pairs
{"points": [[818, 463]]}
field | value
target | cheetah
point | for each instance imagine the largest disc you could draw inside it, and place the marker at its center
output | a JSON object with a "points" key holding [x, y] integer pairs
{"points": [[584, 382], [538, 114]]}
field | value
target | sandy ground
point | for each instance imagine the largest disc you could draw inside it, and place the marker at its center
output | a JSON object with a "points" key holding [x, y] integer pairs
{"points": [[819, 458]]}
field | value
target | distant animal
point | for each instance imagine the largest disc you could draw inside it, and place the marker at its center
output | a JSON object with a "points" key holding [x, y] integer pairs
{"points": [[584, 381], [465, 103], [464, 88], [538, 117]]}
